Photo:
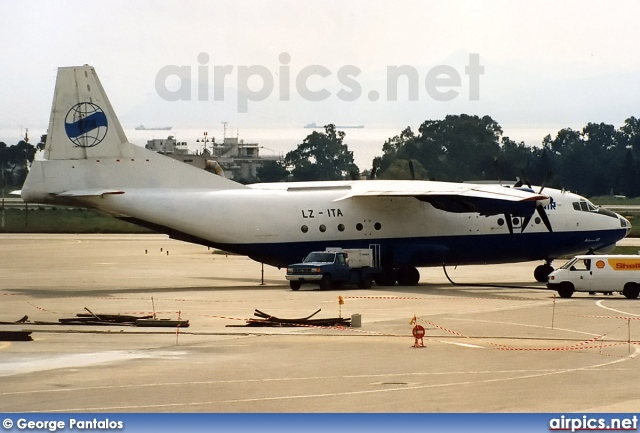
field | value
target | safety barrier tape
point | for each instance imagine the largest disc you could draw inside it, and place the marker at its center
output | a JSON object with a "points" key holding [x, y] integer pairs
{"points": [[146, 313], [393, 298], [44, 309], [588, 344], [445, 329], [609, 317]]}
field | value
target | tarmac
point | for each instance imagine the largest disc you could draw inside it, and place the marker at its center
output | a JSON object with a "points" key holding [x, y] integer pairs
{"points": [[507, 346]]}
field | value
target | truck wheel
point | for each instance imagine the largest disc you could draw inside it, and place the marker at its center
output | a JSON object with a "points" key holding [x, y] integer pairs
{"points": [[386, 278], [565, 290], [631, 291], [326, 283], [295, 285], [366, 282]]}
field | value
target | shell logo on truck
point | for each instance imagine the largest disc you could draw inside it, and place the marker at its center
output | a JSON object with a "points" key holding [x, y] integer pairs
{"points": [[624, 264]]}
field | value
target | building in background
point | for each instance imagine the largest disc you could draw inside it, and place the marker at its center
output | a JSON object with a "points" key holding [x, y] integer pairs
{"points": [[238, 159]]}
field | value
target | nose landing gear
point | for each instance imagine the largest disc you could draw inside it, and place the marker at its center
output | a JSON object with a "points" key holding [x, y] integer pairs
{"points": [[541, 273]]}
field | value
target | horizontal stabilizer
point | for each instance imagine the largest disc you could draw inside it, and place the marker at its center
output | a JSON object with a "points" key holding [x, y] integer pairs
{"points": [[89, 193]]}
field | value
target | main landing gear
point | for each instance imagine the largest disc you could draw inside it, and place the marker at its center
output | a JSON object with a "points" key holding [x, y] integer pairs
{"points": [[405, 276], [541, 273]]}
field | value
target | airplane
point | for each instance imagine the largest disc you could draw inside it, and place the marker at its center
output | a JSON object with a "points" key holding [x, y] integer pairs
{"points": [[88, 162]]}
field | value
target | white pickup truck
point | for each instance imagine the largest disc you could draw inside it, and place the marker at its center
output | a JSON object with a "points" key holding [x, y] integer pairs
{"points": [[598, 273]]}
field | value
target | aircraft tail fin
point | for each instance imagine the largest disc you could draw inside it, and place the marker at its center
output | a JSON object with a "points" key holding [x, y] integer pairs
{"points": [[83, 124], [87, 150]]}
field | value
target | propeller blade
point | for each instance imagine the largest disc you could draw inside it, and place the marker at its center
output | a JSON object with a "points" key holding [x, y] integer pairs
{"points": [[525, 221], [507, 218], [545, 181], [518, 184], [544, 217], [523, 178], [413, 173]]}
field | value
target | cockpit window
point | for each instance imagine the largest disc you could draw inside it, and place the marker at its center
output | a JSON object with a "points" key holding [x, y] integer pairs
{"points": [[585, 206]]}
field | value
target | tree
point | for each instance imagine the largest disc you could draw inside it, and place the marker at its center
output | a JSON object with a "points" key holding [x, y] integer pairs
{"points": [[399, 170], [456, 148], [272, 171], [321, 156], [14, 161]]}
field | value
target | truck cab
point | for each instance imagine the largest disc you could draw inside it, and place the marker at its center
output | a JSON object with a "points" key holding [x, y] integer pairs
{"points": [[598, 273]]}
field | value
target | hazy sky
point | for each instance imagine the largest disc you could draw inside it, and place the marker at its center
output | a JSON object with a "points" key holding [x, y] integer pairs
{"points": [[560, 63]]}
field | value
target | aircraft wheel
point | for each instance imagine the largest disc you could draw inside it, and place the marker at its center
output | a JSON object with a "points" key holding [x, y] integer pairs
{"points": [[295, 285], [326, 283], [386, 278], [541, 273], [408, 276], [565, 290], [631, 291]]}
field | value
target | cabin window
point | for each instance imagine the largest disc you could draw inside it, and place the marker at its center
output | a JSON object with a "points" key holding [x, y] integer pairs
{"points": [[377, 226], [304, 229], [323, 228], [359, 227], [340, 227]]}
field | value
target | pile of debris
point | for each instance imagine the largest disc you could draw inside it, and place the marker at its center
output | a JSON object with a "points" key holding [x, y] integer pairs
{"points": [[269, 320], [92, 319], [15, 335]]}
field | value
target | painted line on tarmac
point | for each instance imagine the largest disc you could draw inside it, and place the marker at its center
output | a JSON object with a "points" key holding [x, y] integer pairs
{"points": [[601, 305], [339, 394]]}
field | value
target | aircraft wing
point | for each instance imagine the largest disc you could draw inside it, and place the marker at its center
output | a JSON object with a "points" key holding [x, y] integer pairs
{"points": [[455, 197]]}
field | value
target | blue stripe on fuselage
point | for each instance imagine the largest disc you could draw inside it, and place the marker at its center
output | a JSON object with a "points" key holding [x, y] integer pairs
{"points": [[453, 250]]}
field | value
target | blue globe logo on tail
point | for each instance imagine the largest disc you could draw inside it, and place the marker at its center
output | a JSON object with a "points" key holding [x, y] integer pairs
{"points": [[86, 124]]}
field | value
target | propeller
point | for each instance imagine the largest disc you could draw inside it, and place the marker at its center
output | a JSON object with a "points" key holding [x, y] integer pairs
{"points": [[522, 180], [546, 179], [544, 217], [507, 218], [540, 209]]}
